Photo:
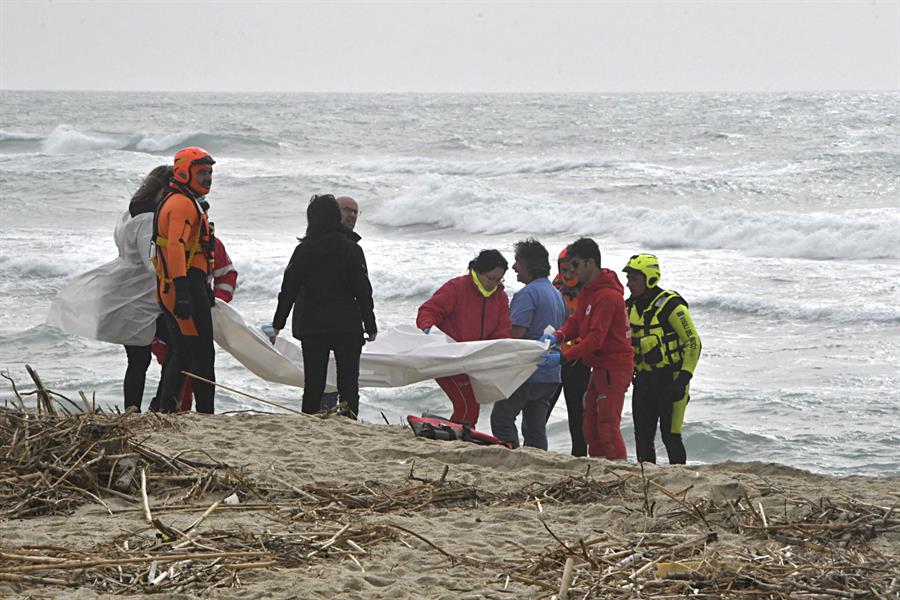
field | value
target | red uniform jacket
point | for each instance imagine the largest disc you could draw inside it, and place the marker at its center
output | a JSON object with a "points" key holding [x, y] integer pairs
{"points": [[225, 275], [602, 324], [460, 310]]}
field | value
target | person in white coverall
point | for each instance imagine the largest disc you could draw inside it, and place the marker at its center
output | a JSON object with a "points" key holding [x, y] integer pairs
{"points": [[116, 302]]}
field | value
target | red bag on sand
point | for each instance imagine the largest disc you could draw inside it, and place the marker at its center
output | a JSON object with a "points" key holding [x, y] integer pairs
{"points": [[443, 429]]}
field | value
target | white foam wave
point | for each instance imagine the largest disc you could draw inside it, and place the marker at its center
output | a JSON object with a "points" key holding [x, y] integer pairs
{"points": [[166, 142], [472, 206], [65, 139], [258, 277], [805, 311], [489, 168], [14, 136], [261, 278], [397, 285], [30, 267]]}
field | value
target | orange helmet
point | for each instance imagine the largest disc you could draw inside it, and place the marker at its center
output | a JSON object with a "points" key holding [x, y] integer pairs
{"points": [[187, 161], [564, 257]]}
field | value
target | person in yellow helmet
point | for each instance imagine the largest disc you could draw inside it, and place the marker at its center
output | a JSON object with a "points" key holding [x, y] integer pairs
{"points": [[666, 351]]}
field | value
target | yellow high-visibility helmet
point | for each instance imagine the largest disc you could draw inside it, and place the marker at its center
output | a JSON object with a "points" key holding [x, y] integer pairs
{"points": [[647, 264]]}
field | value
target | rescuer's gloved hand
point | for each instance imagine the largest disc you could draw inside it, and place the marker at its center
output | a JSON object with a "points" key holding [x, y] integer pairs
{"points": [[426, 330], [270, 332], [679, 385], [548, 337], [551, 360], [182, 307]]}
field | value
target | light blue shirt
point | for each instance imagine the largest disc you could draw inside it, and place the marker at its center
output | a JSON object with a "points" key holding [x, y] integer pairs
{"points": [[534, 307]]}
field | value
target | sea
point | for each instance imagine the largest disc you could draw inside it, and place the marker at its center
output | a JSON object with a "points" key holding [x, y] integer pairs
{"points": [[776, 216]]}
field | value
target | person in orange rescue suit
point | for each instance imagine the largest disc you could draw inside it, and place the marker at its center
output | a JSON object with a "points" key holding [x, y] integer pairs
{"points": [[183, 255], [601, 324], [225, 278], [468, 308], [575, 375], [666, 353]]}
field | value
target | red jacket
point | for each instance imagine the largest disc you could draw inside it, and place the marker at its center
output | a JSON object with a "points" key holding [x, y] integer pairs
{"points": [[225, 275], [460, 310], [602, 324]]}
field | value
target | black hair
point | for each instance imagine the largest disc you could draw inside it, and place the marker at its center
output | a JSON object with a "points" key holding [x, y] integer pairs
{"points": [[323, 215], [155, 181], [488, 260], [535, 256], [585, 248]]}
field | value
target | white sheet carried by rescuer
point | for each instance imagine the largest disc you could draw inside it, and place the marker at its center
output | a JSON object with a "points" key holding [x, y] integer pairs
{"points": [[399, 356], [116, 302]]}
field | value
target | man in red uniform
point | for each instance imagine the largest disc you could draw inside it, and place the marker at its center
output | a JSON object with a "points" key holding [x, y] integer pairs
{"points": [[598, 334]]}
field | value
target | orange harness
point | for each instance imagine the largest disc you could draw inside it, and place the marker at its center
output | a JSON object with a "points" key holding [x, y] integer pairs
{"points": [[197, 252]]}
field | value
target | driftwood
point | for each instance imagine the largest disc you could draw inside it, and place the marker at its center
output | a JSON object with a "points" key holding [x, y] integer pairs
{"points": [[53, 461]]}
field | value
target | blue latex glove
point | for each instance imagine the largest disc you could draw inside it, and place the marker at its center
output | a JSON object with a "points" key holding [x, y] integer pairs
{"points": [[426, 330], [551, 360], [547, 337]]}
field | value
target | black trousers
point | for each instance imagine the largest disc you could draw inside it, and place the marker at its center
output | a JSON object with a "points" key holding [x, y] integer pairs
{"points": [[316, 348], [136, 375], [651, 404], [575, 378], [193, 353], [162, 332]]}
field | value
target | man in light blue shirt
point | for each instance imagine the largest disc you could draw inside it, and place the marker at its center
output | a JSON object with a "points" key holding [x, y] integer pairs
{"points": [[533, 308]]}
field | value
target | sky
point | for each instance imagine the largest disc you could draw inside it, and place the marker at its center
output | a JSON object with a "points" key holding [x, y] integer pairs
{"points": [[635, 46]]}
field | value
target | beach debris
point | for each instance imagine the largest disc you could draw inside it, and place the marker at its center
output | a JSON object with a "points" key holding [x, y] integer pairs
{"points": [[663, 542], [143, 563]]}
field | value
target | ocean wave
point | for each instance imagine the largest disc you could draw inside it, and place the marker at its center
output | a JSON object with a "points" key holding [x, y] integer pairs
{"points": [[721, 135], [394, 285], [65, 139], [258, 277], [261, 278], [14, 136], [472, 206], [30, 267], [497, 167], [811, 311], [765, 178]]}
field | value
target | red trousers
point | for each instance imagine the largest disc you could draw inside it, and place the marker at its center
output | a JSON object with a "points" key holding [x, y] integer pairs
{"points": [[459, 389], [603, 412]]}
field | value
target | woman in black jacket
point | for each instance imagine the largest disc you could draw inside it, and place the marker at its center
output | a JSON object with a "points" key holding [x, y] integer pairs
{"points": [[327, 285]]}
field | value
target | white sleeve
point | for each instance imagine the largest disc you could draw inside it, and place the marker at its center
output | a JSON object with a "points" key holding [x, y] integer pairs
{"points": [[143, 238]]}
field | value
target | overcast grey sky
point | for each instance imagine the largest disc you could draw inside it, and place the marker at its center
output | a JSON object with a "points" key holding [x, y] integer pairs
{"points": [[451, 46]]}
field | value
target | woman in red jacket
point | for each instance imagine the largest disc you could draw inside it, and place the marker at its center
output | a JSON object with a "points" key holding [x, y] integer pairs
{"points": [[469, 308]]}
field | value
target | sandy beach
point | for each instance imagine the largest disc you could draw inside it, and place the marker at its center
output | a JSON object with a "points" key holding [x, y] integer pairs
{"points": [[437, 519]]}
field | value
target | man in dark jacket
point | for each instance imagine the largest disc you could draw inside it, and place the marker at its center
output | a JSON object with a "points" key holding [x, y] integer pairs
{"points": [[327, 280], [349, 214]]}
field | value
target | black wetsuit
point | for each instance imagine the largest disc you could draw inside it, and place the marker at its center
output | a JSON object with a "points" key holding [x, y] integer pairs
{"points": [[193, 353]]}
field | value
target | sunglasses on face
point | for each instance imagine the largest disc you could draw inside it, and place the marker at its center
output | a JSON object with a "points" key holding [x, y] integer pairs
{"points": [[324, 196]]}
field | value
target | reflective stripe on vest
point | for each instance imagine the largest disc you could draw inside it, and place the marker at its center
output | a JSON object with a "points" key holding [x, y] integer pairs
{"points": [[655, 344]]}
